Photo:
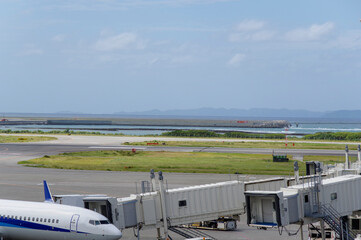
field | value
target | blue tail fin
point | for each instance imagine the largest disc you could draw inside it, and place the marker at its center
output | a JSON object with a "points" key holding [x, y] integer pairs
{"points": [[48, 196]]}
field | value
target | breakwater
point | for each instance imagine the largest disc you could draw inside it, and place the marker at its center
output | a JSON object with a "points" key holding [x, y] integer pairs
{"points": [[160, 122]]}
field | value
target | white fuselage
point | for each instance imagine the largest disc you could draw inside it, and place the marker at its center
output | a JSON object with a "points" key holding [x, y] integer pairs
{"points": [[20, 220]]}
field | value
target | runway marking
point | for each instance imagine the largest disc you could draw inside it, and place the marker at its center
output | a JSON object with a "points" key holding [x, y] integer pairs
{"points": [[97, 147]]}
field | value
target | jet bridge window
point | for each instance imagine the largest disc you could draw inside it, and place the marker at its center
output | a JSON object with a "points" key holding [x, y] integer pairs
{"points": [[333, 196], [182, 203], [306, 198], [355, 224]]}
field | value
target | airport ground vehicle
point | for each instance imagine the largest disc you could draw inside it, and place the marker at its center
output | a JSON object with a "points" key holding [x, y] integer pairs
{"points": [[223, 223]]}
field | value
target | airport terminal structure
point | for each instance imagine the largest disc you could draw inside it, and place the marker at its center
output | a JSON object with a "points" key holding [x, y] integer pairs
{"points": [[328, 195]]}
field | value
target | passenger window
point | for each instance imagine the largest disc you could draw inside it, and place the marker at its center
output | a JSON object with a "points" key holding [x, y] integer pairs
{"points": [[49, 220], [33, 219], [29, 218], [57, 220], [37, 219], [41, 219], [20, 218], [53, 221]]}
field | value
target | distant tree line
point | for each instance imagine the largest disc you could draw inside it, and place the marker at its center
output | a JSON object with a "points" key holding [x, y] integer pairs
{"points": [[349, 136]]}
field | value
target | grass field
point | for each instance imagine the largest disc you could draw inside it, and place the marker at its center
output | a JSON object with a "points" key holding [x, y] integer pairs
{"points": [[17, 139], [199, 162], [240, 144]]}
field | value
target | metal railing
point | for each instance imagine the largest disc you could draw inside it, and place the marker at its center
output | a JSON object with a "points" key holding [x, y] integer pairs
{"points": [[190, 233], [336, 222]]}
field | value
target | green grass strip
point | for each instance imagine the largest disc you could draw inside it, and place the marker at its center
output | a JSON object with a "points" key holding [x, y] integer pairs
{"points": [[17, 139], [195, 162], [243, 144]]}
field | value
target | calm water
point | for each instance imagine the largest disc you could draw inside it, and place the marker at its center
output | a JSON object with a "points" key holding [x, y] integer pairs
{"points": [[301, 128]]}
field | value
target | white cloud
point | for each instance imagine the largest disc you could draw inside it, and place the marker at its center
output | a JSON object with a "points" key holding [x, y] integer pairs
{"points": [[250, 25], [154, 61], [58, 38], [119, 42], [263, 35], [347, 40], [31, 50], [251, 30], [236, 59], [114, 5], [314, 32], [182, 59]]}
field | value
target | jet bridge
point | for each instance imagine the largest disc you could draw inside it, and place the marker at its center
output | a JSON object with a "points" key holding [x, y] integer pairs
{"points": [[179, 206], [330, 200]]}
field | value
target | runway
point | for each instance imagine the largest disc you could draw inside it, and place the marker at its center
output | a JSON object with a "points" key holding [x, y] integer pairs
{"points": [[37, 150]]}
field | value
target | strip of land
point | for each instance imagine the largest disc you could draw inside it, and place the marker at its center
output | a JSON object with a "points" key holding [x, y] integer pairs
{"points": [[20, 139], [195, 162], [245, 144]]}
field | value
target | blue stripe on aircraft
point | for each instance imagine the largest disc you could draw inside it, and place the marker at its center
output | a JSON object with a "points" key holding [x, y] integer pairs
{"points": [[30, 225]]}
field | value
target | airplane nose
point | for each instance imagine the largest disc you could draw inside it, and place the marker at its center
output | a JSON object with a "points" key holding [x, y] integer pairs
{"points": [[114, 233]]}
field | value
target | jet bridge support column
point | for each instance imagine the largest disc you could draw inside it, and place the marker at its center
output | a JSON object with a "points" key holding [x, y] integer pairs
{"points": [[154, 187], [322, 223], [164, 207]]}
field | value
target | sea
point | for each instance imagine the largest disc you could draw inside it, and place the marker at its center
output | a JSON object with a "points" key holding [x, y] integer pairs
{"points": [[297, 128]]}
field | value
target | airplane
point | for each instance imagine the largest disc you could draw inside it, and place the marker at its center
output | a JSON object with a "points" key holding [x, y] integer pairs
{"points": [[22, 220]]}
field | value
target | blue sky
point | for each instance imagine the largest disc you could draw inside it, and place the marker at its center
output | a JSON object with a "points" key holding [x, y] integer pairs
{"points": [[106, 56]]}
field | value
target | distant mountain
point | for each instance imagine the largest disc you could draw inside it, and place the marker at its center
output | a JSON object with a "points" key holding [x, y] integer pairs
{"points": [[251, 113], [214, 113], [223, 112], [349, 114]]}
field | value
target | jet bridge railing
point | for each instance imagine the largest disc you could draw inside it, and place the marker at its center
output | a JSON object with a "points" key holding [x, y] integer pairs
{"points": [[337, 222]]}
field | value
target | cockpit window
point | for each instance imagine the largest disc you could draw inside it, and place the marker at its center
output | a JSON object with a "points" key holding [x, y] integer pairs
{"points": [[94, 222], [104, 222]]}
